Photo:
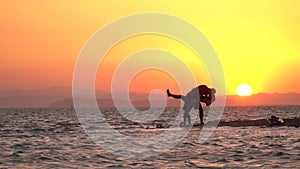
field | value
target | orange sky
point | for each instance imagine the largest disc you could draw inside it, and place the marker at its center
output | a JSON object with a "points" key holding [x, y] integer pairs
{"points": [[257, 41]]}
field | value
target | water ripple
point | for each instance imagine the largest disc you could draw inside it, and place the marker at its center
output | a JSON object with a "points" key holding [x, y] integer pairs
{"points": [[53, 138]]}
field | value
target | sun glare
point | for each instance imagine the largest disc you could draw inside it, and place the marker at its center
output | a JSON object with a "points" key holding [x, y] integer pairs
{"points": [[244, 90]]}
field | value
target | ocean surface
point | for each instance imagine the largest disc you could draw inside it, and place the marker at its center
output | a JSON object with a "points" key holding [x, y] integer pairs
{"points": [[54, 138]]}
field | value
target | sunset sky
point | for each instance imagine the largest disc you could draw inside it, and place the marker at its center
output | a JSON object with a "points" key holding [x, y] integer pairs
{"points": [[258, 42]]}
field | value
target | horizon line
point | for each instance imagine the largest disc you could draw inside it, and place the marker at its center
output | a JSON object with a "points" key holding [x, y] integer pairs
{"points": [[138, 92]]}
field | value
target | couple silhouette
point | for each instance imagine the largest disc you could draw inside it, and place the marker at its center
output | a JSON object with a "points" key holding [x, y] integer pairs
{"points": [[192, 100]]}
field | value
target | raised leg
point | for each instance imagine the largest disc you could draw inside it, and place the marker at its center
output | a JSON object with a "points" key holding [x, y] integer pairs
{"points": [[175, 96]]}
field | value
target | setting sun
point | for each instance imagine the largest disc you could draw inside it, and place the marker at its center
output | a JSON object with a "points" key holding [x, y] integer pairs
{"points": [[244, 90]]}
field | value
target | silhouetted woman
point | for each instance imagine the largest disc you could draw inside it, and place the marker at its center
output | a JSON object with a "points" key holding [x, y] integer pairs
{"points": [[192, 100]]}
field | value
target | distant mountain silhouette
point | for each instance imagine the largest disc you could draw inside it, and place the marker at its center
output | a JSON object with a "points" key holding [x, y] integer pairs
{"points": [[36, 97], [264, 99], [51, 91], [67, 103], [61, 97]]}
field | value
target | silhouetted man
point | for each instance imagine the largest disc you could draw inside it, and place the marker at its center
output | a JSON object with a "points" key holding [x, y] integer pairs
{"points": [[192, 100]]}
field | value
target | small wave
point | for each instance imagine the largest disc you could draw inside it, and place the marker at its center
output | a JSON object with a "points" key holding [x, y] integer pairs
{"points": [[188, 143], [280, 153], [42, 157]]}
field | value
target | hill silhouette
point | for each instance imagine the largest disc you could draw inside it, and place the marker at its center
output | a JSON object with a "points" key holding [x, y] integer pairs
{"points": [[61, 97]]}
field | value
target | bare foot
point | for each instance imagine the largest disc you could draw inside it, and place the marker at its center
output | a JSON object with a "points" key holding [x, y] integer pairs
{"points": [[168, 92]]}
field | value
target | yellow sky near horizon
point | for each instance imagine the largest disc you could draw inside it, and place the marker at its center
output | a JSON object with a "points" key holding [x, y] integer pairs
{"points": [[257, 41]]}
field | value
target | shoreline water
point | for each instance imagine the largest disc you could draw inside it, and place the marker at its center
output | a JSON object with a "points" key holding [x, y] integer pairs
{"points": [[54, 138]]}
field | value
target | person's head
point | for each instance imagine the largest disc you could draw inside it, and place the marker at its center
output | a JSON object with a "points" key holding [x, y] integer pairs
{"points": [[207, 95]]}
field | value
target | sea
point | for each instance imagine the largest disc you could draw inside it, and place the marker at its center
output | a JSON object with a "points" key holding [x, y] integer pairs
{"points": [[55, 138]]}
